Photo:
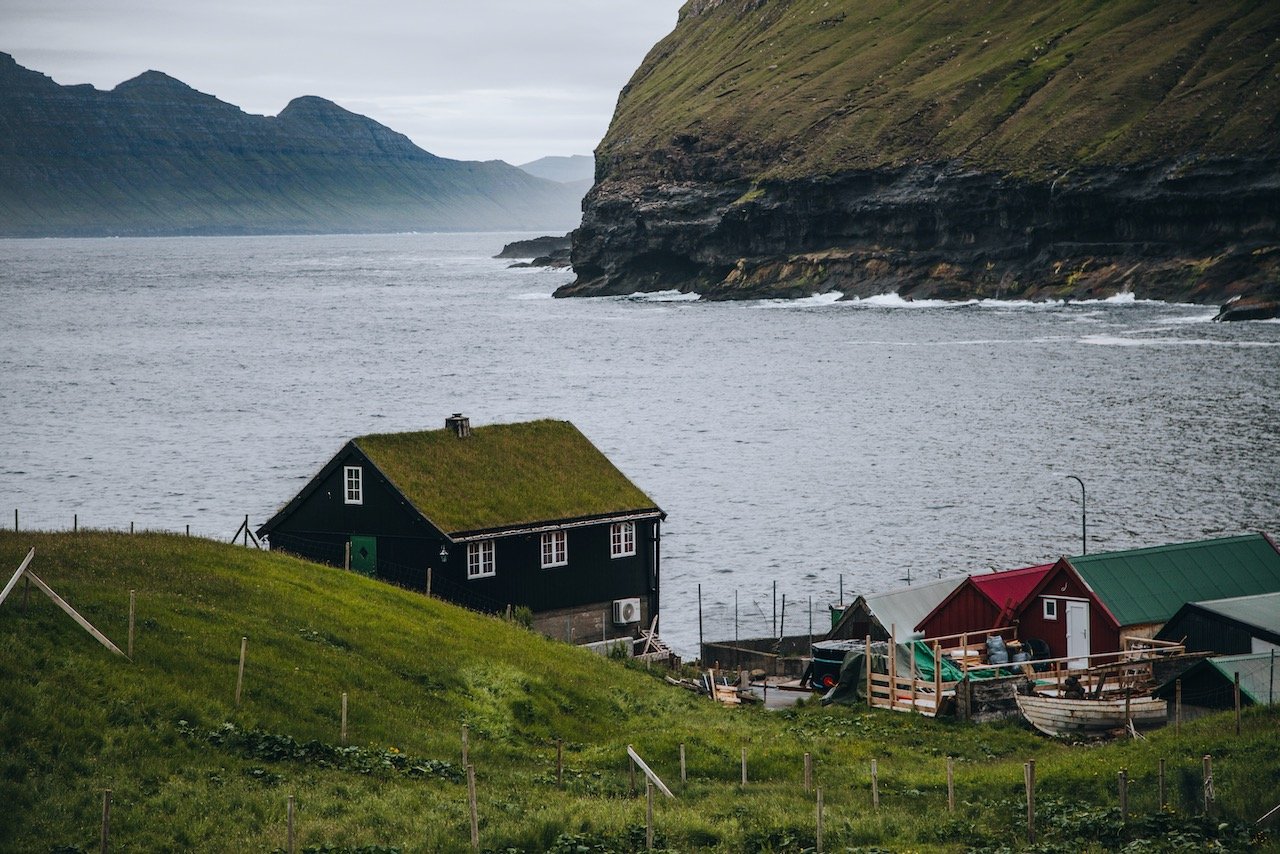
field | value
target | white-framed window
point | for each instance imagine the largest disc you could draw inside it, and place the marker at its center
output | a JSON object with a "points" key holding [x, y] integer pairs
{"points": [[622, 539], [353, 480], [555, 549], [480, 563], [1050, 609]]}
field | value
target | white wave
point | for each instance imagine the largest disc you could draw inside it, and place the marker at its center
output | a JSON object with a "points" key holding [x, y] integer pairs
{"points": [[828, 298], [1206, 317], [894, 301], [662, 296], [537, 295], [1121, 341]]}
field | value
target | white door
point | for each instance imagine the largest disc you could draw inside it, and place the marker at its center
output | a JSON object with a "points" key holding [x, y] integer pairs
{"points": [[1077, 633]]}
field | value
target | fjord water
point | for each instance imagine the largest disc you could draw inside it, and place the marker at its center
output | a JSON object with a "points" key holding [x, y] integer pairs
{"points": [[191, 381]]}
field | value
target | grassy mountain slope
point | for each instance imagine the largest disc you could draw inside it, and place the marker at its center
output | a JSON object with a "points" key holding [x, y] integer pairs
{"points": [[802, 87], [77, 719]]}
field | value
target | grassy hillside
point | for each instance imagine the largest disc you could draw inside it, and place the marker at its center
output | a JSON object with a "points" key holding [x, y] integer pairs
{"points": [[782, 88], [190, 771]]}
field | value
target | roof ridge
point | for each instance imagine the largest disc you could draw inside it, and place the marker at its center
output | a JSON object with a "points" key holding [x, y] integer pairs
{"points": [[1169, 547]]}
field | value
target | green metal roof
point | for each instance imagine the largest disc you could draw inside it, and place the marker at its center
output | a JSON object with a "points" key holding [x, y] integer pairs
{"points": [[1149, 585], [504, 475], [1259, 680], [1261, 611]]}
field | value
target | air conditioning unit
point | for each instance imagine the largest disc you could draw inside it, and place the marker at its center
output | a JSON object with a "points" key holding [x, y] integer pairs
{"points": [[626, 611]]}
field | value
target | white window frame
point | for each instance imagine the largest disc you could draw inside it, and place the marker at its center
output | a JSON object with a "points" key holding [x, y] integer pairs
{"points": [[622, 539], [1050, 611], [480, 560], [555, 549], [352, 485]]}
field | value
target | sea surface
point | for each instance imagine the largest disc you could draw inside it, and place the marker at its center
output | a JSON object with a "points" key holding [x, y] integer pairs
{"points": [[821, 445]]}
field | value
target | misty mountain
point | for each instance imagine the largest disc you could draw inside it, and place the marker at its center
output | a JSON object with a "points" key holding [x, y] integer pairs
{"points": [[155, 157]]}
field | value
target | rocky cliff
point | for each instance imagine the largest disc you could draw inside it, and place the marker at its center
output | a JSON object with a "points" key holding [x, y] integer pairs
{"points": [[1020, 150], [154, 156]]}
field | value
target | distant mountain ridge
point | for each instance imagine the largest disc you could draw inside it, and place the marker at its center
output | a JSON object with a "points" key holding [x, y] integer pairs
{"points": [[154, 156]]}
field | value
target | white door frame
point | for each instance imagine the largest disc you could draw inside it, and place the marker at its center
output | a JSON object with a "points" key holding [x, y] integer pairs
{"points": [[1077, 623]]}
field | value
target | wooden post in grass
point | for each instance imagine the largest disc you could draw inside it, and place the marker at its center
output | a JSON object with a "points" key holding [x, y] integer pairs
{"points": [[631, 774], [867, 657], [951, 785], [937, 679], [1029, 777], [818, 840], [893, 668], [1163, 799], [744, 765], [1237, 699], [875, 786], [244, 650], [132, 614], [683, 779], [15, 520], [648, 814], [428, 582], [466, 748], [75, 523], [342, 733], [346, 556], [1122, 787], [130, 527], [1208, 783], [471, 805], [105, 835], [808, 772], [290, 839], [559, 762], [1177, 707]]}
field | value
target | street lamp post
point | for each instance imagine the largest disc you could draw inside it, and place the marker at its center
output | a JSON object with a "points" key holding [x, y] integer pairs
{"points": [[1084, 519]]}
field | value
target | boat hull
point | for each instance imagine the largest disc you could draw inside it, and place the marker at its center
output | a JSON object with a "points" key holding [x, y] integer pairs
{"points": [[1060, 716]]}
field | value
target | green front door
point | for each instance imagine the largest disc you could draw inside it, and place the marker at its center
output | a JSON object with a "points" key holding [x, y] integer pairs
{"points": [[364, 555]]}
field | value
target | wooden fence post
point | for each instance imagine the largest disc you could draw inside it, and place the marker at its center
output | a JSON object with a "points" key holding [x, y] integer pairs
{"points": [[105, 836], [818, 846], [132, 615], [875, 786], [471, 804], [683, 778], [808, 772], [1177, 706], [648, 814], [744, 765], [428, 581], [1163, 799], [466, 747], [1029, 778], [951, 785], [867, 657], [244, 649], [291, 839], [342, 734], [346, 556], [1122, 787], [1208, 783], [1237, 699]]}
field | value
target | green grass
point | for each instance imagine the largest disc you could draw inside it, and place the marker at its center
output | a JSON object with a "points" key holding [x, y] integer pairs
{"points": [[77, 720], [815, 87]]}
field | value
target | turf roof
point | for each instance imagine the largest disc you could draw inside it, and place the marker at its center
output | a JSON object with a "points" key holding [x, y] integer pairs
{"points": [[1150, 585], [503, 475]]}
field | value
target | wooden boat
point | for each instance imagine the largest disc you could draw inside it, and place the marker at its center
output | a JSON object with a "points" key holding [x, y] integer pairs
{"points": [[1061, 716]]}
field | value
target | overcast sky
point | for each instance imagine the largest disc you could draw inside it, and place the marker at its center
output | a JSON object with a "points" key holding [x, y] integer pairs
{"points": [[469, 79]]}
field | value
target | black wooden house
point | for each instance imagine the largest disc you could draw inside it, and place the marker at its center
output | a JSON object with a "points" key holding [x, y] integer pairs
{"points": [[505, 515]]}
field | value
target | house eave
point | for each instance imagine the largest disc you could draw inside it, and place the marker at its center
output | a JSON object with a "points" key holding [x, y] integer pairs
{"points": [[554, 525]]}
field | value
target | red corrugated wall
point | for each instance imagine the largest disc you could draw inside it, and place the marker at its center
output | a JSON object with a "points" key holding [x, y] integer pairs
{"points": [[967, 611]]}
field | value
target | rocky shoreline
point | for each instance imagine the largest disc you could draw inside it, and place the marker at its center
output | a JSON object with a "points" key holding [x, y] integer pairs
{"points": [[1203, 231]]}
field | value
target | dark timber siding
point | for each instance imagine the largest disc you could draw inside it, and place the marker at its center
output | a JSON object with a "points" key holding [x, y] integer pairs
{"points": [[319, 523]]}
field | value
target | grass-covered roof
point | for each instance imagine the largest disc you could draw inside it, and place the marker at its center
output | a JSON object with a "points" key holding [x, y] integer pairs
{"points": [[503, 475]]}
